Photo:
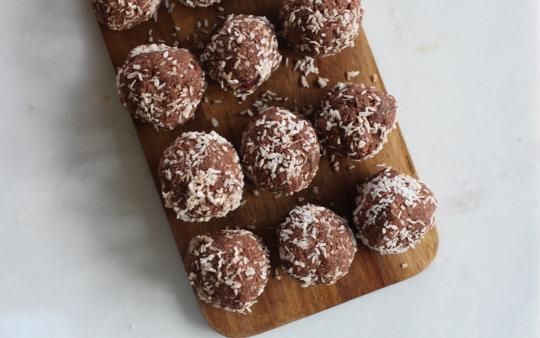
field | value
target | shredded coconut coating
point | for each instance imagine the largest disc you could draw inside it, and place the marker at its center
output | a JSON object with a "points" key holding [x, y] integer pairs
{"points": [[124, 14], [280, 151], [201, 177], [355, 120], [228, 269], [199, 3], [161, 85], [242, 54], [321, 27], [316, 246], [394, 211]]}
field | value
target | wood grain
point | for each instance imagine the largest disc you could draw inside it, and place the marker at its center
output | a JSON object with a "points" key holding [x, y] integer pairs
{"points": [[283, 300]]}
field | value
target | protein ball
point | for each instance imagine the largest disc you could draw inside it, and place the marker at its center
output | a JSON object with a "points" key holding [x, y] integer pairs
{"points": [[394, 212], [228, 269], [280, 151], [355, 120], [161, 85], [201, 177], [198, 3], [242, 54], [321, 27], [316, 246], [119, 15]]}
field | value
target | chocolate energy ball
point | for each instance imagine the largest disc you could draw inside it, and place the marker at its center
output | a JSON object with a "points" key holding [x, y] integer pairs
{"points": [[321, 27], [201, 177], [228, 269], [198, 3], [161, 85], [242, 54], [355, 120], [316, 246], [394, 212], [124, 14], [280, 151]]}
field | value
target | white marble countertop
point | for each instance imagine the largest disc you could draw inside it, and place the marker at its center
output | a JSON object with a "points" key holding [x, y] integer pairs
{"points": [[85, 249]]}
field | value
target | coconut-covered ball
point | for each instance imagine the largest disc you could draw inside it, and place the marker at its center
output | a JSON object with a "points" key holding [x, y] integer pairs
{"points": [[161, 85], [124, 14], [355, 120], [394, 212], [228, 269], [321, 27], [199, 3], [316, 246], [201, 177], [280, 151], [242, 54]]}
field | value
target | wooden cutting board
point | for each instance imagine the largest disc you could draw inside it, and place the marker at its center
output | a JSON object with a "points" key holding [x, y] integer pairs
{"points": [[283, 300]]}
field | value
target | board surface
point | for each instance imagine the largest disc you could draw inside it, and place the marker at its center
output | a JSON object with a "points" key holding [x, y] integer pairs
{"points": [[283, 300]]}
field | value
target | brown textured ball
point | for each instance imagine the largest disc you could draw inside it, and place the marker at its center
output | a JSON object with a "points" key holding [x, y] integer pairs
{"points": [[321, 27], [394, 212], [280, 151], [242, 54], [355, 120], [316, 246], [201, 177], [124, 14], [161, 85], [228, 269], [199, 3]]}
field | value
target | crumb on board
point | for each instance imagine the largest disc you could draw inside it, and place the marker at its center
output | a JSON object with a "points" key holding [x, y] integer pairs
{"points": [[352, 74], [322, 82], [277, 275], [306, 66], [304, 82], [247, 112]]}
